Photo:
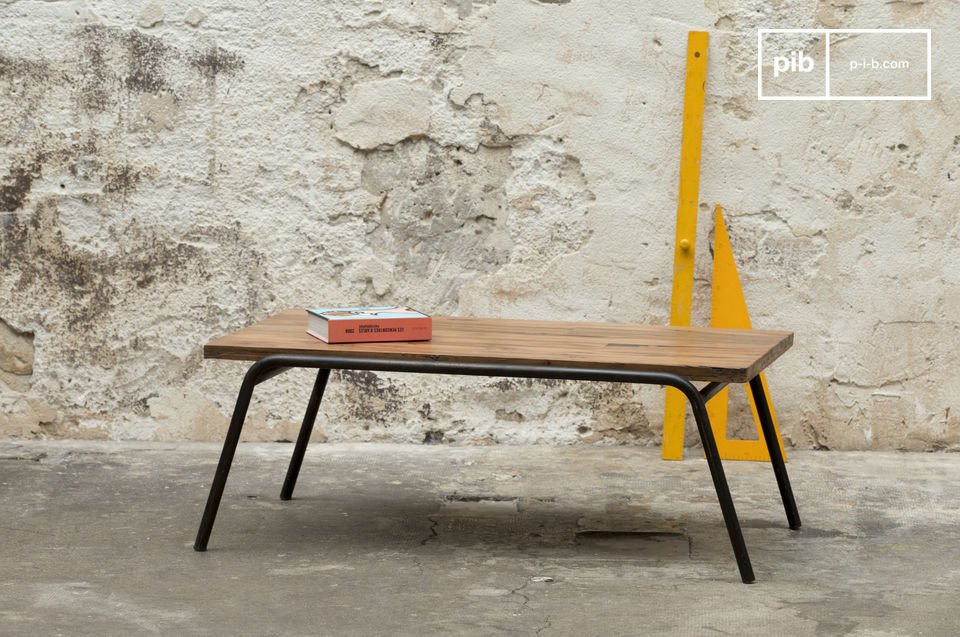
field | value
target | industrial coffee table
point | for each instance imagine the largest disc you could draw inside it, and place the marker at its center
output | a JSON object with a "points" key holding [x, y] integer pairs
{"points": [[658, 355]]}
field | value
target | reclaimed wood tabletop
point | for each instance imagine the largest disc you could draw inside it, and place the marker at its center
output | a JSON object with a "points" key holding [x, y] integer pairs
{"points": [[710, 354]]}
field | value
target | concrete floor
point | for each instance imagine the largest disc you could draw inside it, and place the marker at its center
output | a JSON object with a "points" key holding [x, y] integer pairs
{"points": [[436, 540]]}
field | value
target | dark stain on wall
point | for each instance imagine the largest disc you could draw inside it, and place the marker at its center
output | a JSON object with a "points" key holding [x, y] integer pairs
{"points": [[39, 256], [24, 83], [521, 384], [34, 248], [21, 67], [85, 283], [146, 57], [121, 178], [26, 168], [112, 59], [371, 399], [16, 185], [95, 92], [35, 254], [214, 61], [79, 155]]}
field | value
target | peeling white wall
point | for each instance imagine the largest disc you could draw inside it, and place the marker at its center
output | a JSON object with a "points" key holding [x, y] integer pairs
{"points": [[172, 171]]}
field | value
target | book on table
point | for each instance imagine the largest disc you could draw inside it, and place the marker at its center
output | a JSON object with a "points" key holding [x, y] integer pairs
{"points": [[368, 324]]}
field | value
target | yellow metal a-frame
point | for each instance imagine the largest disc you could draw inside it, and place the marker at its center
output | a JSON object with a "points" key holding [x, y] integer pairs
{"points": [[728, 308]]}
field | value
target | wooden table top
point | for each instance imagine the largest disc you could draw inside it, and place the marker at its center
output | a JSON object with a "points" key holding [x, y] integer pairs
{"points": [[732, 356]]}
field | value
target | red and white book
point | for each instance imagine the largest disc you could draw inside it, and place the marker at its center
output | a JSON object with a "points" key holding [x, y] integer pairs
{"points": [[368, 324]]}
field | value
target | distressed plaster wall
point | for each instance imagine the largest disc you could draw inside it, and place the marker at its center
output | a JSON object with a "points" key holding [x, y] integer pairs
{"points": [[170, 171]]}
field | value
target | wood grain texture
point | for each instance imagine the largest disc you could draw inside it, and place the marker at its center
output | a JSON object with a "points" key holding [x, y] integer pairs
{"points": [[725, 355]]}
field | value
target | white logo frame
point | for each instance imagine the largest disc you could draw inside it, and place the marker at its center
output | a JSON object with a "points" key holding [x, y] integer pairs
{"points": [[841, 98]]}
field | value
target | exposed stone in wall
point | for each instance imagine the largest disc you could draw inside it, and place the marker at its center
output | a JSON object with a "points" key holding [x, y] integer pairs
{"points": [[383, 112], [173, 171], [194, 16], [150, 15], [20, 413], [16, 357]]}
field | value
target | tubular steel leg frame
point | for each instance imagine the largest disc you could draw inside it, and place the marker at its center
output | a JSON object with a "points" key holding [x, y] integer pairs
{"points": [[304, 438], [271, 365], [699, 407], [258, 372], [773, 446]]}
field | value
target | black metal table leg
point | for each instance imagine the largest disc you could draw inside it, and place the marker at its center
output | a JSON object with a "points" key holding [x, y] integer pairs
{"points": [[304, 437], [773, 446], [258, 372], [699, 407]]}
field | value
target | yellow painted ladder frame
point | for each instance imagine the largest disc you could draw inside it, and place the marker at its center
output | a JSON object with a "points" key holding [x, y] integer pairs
{"points": [[675, 406]]}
